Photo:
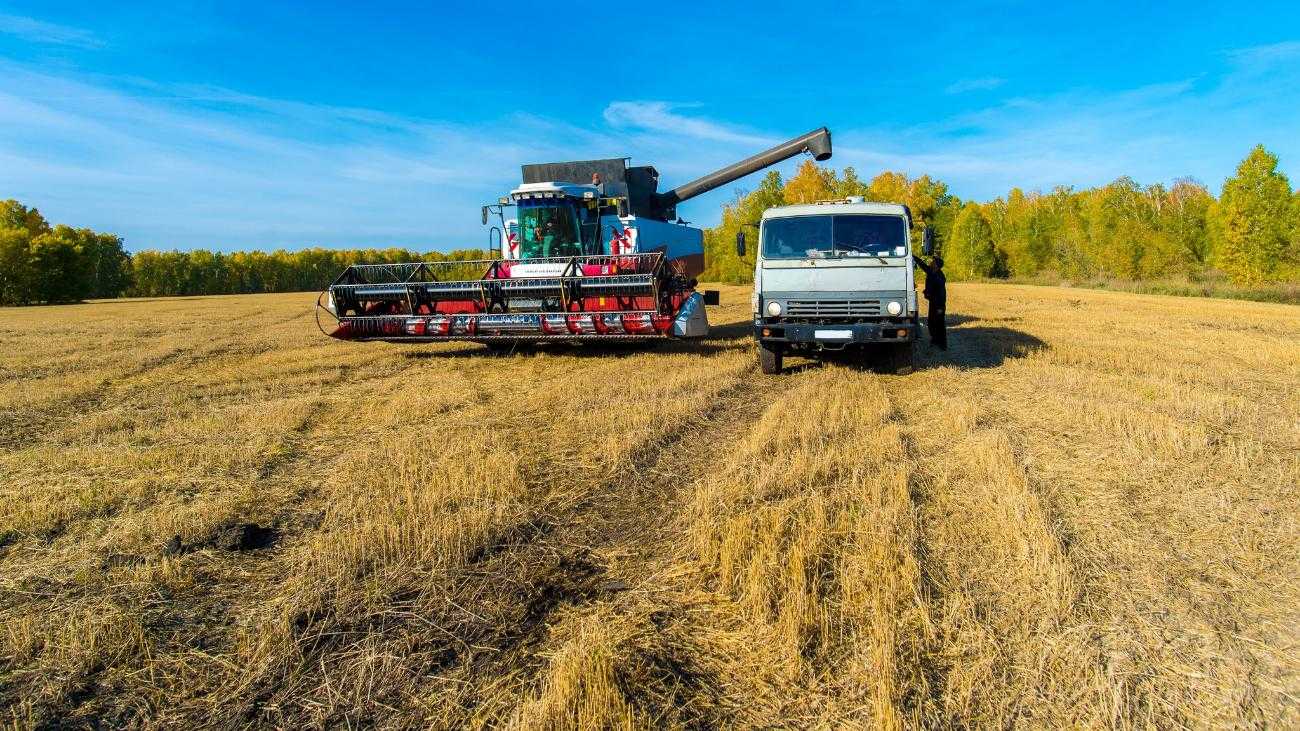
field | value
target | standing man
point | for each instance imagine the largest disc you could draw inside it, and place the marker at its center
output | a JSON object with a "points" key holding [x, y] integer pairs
{"points": [[936, 291]]}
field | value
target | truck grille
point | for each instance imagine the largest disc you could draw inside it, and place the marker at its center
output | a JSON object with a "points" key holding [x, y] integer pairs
{"points": [[833, 308]]}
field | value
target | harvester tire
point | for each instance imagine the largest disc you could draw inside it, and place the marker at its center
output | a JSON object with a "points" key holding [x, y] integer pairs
{"points": [[770, 358]]}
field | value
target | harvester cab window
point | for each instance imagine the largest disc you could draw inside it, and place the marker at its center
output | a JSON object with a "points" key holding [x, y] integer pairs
{"points": [[589, 228], [549, 230]]}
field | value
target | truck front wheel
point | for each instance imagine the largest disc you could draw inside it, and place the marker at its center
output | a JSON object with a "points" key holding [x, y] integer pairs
{"points": [[770, 357], [899, 359]]}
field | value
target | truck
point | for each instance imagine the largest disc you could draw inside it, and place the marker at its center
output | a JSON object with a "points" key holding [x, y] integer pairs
{"points": [[836, 276]]}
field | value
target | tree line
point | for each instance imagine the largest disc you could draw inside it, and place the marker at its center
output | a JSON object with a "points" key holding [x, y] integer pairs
{"points": [[40, 263], [44, 263], [1250, 233], [1123, 230]]}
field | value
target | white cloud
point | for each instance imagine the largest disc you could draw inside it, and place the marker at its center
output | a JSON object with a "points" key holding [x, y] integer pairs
{"points": [[1265, 56], [168, 169], [1200, 127], [196, 166], [659, 116], [985, 84], [40, 31]]}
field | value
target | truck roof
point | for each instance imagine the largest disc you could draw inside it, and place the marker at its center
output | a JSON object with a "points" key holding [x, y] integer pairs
{"points": [[842, 206]]}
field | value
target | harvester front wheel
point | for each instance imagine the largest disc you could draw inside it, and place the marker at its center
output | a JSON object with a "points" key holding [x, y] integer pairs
{"points": [[770, 357]]}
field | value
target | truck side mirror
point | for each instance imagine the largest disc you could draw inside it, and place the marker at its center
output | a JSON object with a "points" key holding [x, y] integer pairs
{"points": [[740, 243], [927, 247], [485, 215]]}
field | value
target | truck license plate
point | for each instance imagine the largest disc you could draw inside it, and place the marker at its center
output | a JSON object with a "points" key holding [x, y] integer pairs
{"points": [[833, 334]]}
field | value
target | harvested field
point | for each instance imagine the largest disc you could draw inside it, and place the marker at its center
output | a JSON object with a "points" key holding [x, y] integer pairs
{"points": [[1084, 514]]}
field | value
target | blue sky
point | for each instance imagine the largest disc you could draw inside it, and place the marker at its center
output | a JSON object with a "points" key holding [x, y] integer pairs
{"points": [[232, 125]]}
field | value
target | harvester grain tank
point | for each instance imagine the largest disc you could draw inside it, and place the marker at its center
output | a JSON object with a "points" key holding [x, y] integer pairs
{"points": [[594, 252]]}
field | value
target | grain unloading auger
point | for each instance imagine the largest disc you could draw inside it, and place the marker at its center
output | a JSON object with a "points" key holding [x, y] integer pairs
{"points": [[598, 260]]}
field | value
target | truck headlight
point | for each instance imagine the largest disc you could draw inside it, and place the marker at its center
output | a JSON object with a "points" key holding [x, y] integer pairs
{"points": [[894, 308], [774, 309]]}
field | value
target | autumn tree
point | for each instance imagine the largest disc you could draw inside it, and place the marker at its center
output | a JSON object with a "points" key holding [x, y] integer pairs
{"points": [[742, 213], [1256, 220], [969, 252], [14, 215], [811, 183], [850, 184], [1183, 213]]}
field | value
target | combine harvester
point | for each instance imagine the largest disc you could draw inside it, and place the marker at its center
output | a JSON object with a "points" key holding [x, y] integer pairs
{"points": [[593, 254]]}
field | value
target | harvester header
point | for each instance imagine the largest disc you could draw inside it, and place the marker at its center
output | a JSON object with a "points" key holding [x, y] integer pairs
{"points": [[593, 251]]}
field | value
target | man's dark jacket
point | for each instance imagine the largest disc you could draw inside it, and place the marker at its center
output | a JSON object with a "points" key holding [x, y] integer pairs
{"points": [[936, 284]]}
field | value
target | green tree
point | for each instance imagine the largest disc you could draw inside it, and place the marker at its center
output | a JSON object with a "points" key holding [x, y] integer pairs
{"points": [[1184, 216], [15, 215], [17, 278], [59, 267], [850, 184], [969, 251], [1256, 220]]}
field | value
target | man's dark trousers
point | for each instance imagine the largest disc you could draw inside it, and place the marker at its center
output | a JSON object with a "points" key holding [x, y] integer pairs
{"points": [[938, 331]]}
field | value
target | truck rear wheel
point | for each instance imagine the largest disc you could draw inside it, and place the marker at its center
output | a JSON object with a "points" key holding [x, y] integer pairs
{"points": [[770, 357]]}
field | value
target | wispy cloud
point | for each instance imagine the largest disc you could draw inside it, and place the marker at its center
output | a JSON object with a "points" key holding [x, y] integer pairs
{"points": [[1154, 133], [1265, 56], [236, 171], [188, 166], [660, 116], [987, 83], [40, 31], [201, 166]]}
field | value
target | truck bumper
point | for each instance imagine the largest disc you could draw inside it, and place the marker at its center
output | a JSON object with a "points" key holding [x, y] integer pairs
{"points": [[834, 335]]}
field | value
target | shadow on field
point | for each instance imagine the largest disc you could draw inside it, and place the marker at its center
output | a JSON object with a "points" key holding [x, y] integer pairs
{"points": [[969, 347], [977, 347]]}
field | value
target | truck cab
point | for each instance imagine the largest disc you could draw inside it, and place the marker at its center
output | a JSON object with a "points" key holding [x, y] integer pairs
{"points": [[835, 276]]}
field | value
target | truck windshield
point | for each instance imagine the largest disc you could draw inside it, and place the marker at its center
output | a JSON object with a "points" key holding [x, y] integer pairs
{"points": [[802, 237], [548, 231]]}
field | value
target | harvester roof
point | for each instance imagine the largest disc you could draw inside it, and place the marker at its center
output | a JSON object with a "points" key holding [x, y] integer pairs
{"points": [[551, 189]]}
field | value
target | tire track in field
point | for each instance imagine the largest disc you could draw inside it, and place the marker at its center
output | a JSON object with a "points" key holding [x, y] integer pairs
{"points": [[926, 700], [980, 515], [607, 544]]}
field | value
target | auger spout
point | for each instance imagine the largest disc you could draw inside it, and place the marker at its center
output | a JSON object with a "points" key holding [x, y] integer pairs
{"points": [[817, 143]]}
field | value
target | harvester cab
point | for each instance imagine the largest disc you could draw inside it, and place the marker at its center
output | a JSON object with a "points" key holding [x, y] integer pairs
{"points": [[593, 252]]}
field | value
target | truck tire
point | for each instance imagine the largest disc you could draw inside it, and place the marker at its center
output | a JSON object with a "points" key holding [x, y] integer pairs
{"points": [[899, 359], [770, 358]]}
